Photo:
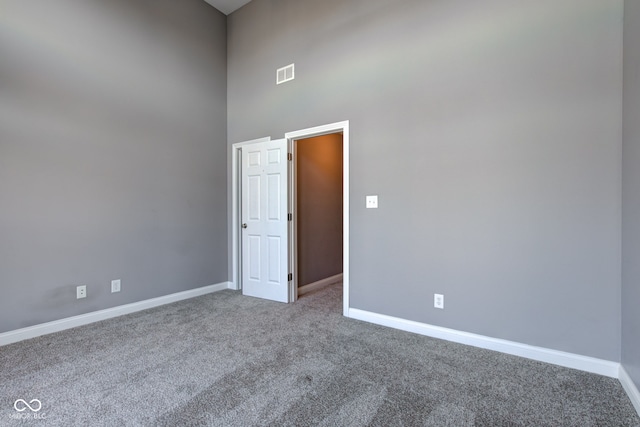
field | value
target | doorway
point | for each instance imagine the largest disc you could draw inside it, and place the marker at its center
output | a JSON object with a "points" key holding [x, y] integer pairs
{"points": [[236, 207], [318, 211]]}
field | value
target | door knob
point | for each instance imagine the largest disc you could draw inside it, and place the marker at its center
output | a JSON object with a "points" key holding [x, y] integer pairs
{"points": [[244, 225]]}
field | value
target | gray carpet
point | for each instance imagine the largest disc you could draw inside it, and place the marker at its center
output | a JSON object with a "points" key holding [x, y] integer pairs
{"points": [[228, 360]]}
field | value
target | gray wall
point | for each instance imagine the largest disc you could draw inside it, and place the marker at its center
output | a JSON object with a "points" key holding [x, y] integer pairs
{"points": [[319, 207], [112, 153], [490, 131], [631, 194]]}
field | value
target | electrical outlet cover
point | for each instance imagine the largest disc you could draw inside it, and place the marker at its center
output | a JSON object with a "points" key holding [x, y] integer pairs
{"points": [[438, 301], [81, 291]]}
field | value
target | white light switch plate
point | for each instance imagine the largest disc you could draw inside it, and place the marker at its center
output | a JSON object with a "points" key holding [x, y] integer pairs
{"points": [[372, 202]]}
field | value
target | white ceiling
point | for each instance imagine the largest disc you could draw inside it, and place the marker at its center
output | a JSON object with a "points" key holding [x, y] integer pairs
{"points": [[227, 6]]}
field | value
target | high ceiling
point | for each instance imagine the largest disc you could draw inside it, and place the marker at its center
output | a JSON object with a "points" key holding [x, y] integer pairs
{"points": [[227, 6]]}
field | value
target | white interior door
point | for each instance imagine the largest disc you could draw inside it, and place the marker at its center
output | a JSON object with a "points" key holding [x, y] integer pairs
{"points": [[264, 220]]}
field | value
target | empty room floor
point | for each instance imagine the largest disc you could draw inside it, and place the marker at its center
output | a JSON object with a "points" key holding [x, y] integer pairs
{"points": [[227, 360]]}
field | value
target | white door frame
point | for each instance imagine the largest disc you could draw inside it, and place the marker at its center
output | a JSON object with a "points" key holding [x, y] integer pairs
{"points": [[310, 133], [236, 256]]}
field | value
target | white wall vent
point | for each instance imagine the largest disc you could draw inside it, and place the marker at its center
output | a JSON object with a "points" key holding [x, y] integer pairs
{"points": [[285, 74]]}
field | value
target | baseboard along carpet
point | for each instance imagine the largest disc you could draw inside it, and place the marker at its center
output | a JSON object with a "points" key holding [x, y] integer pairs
{"points": [[227, 360]]}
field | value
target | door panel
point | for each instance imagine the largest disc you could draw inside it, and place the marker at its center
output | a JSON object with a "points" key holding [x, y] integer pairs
{"points": [[273, 198], [264, 207], [274, 259], [254, 198], [253, 261]]}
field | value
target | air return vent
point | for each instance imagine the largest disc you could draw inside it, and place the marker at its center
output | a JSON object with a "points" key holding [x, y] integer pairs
{"points": [[285, 74]]}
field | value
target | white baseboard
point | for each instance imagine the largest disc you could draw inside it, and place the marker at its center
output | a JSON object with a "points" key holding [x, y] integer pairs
{"points": [[95, 316], [319, 284], [561, 358], [630, 388]]}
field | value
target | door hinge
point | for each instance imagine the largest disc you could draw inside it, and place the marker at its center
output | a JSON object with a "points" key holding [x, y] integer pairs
{"points": [[290, 278], [289, 156], [290, 217]]}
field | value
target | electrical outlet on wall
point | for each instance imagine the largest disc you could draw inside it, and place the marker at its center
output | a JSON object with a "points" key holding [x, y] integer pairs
{"points": [[81, 291], [438, 301], [115, 285]]}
